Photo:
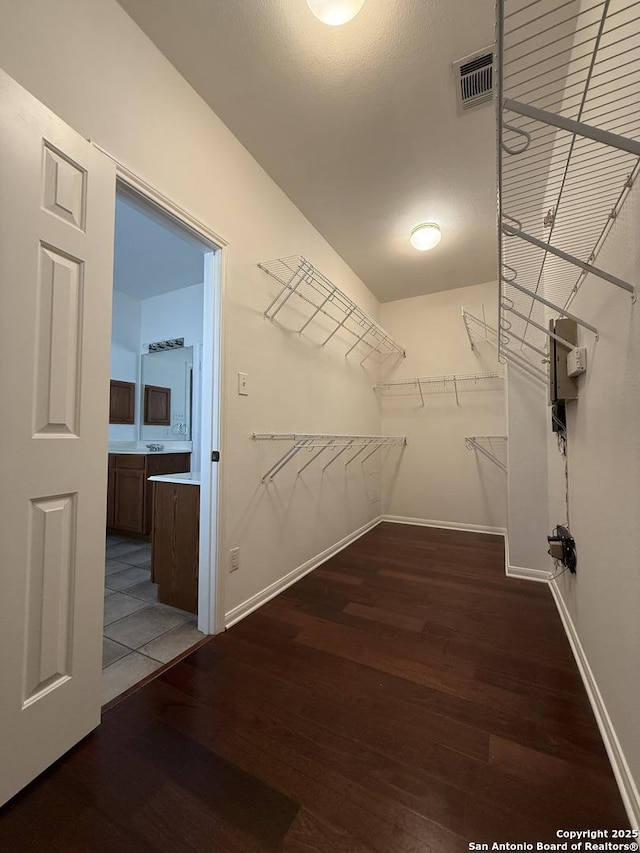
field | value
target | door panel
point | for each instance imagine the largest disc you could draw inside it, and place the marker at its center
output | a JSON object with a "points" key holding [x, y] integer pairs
{"points": [[56, 260]]}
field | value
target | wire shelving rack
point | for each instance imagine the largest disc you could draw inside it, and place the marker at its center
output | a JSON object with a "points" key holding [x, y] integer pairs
{"points": [[479, 331], [324, 300], [453, 383], [568, 154], [334, 444]]}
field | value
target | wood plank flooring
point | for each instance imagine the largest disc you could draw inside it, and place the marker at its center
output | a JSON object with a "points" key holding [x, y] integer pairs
{"points": [[405, 697]]}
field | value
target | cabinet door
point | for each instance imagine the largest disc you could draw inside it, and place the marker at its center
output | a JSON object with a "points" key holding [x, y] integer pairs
{"points": [[111, 497], [122, 402], [129, 500], [157, 405], [163, 463]]}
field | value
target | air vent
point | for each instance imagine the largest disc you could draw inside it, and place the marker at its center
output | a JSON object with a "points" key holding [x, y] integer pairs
{"points": [[474, 80]]}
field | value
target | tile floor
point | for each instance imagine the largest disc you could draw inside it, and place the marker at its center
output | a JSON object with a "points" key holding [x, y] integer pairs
{"points": [[140, 635]]}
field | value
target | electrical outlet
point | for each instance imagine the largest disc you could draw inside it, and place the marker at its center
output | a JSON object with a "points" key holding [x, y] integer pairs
{"points": [[234, 563], [243, 388]]}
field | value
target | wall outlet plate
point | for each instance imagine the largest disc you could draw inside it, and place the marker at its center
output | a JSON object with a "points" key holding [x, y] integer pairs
{"points": [[243, 384]]}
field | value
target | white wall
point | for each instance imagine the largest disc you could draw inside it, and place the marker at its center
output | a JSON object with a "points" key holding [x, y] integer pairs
{"points": [[177, 314], [125, 355], [529, 425], [603, 598], [438, 479], [92, 66]]}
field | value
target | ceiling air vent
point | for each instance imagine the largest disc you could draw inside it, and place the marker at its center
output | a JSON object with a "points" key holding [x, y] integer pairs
{"points": [[474, 80]]}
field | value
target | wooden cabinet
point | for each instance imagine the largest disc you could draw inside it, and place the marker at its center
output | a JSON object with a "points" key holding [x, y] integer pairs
{"points": [[157, 405], [122, 402], [129, 497], [175, 544]]}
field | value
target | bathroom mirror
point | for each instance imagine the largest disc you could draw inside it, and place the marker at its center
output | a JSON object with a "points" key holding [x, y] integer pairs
{"points": [[166, 387]]}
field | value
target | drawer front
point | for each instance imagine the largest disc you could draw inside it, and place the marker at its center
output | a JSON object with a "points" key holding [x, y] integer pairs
{"points": [[130, 460], [167, 463]]}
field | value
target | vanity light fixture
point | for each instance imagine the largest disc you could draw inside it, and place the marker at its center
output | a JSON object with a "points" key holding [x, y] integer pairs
{"points": [[172, 343], [335, 12], [425, 236]]}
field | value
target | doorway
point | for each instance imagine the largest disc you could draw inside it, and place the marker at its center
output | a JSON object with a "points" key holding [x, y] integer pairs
{"points": [[158, 567]]}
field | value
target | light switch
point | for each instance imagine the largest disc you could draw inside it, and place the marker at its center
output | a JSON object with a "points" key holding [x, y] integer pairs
{"points": [[243, 388]]}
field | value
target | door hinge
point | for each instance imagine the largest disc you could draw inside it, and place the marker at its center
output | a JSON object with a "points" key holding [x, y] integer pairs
{"points": [[215, 455]]}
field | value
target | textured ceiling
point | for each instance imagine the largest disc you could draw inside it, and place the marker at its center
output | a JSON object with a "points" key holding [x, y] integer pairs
{"points": [[357, 124], [152, 255]]}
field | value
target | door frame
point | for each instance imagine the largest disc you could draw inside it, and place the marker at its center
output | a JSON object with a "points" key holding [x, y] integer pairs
{"points": [[210, 576]]}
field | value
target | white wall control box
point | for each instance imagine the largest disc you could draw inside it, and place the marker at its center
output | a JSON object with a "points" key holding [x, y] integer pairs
{"points": [[576, 361]]}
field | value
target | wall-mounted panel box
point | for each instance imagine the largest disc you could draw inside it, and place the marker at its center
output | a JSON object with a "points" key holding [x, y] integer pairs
{"points": [[561, 386]]}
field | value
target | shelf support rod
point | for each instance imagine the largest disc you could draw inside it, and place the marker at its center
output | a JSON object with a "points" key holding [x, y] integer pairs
{"points": [[419, 384], [512, 231], [514, 358], [315, 456], [284, 460], [348, 313], [579, 128], [377, 446], [355, 455], [317, 311], [339, 453], [362, 336], [472, 444], [466, 325], [508, 333], [373, 349], [555, 307], [538, 326], [288, 286]]}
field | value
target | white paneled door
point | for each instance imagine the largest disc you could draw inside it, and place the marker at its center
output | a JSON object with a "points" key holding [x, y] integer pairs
{"points": [[57, 195]]}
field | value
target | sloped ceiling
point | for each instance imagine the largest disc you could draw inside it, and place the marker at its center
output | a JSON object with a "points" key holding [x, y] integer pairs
{"points": [[358, 124], [152, 254]]}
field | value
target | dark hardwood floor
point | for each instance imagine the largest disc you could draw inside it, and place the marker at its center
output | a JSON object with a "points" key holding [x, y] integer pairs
{"points": [[405, 697]]}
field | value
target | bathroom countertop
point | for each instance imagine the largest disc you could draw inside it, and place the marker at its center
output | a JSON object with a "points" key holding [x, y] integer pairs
{"points": [[188, 478], [139, 448]]}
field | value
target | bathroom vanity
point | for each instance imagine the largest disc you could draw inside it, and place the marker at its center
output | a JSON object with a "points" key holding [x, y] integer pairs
{"points": [[129, 494], [175, 539]]}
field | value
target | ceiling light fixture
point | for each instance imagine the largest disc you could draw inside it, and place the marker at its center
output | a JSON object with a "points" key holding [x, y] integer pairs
{"points": [[425, 236], [335, 12]]}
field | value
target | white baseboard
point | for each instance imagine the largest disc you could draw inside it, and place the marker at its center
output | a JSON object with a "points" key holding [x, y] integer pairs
{"points": [[626, 784], [445, 525], [522, 572], [538, 575], [269, 592]]}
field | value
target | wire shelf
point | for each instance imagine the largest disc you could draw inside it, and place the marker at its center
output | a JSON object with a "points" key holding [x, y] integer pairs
{"points": [[323, 299], [568, 150], [479, 331], [335, 444], [453, 383], [492, 447]]}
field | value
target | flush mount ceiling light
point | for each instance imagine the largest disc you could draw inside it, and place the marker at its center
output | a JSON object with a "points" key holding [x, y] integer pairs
{"points": [[425, 236], [335, 12]]}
